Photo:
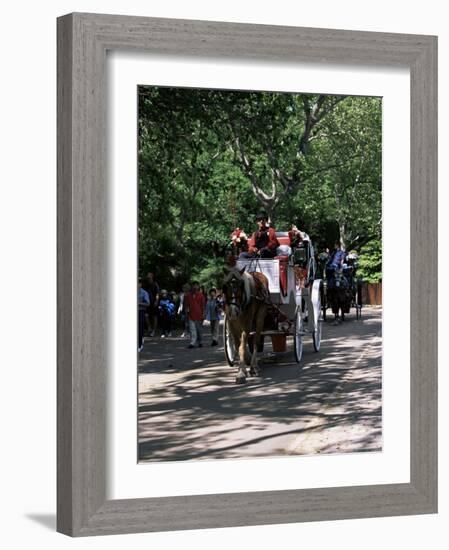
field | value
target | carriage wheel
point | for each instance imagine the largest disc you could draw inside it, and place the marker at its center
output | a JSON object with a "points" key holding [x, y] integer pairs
{"points": [[229, 344], [318, 329], [317, 335], [358, 300], [323, 301], [297, 336]]}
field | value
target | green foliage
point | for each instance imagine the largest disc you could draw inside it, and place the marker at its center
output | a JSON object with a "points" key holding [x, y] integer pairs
{"points": [[370, 262], [210, 273], [209, 159]]}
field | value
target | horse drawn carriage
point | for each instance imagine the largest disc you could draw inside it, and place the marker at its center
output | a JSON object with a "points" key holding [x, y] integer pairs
{"points": [[291, 304], [342, 289]]}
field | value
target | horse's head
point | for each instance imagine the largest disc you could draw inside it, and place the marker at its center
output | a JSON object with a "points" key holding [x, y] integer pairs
{"points": [[338, 276], [234, 292]]}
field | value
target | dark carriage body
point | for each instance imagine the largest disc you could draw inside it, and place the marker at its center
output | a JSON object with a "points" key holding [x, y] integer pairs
{"points": [[343, 289]]}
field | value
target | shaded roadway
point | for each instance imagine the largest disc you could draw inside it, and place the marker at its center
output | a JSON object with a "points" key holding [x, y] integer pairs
{"points": [[191, 408]]}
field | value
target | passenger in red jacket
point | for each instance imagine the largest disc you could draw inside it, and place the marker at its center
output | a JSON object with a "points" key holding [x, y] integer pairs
{"points": [[265, 240], [195, 308]]}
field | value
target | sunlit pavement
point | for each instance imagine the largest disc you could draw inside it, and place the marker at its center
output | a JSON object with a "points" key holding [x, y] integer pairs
{"points": [[191, 408]]}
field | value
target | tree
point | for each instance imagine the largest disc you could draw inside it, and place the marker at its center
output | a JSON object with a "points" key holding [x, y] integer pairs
{"points": [[271, 135], [352, 178], [208, 159], [370, 262]]}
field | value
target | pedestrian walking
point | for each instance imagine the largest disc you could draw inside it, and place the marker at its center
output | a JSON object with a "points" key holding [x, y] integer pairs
{"points": [[166, 313], [151, 286], [182, 312], [143, 301], [213, 315], [195, 306]]}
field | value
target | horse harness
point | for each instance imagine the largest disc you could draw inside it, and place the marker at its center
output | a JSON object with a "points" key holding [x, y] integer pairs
{"points": [[261, 294]]}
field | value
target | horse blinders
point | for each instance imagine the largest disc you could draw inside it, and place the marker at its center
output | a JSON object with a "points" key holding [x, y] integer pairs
{"points": [[233, 291]]}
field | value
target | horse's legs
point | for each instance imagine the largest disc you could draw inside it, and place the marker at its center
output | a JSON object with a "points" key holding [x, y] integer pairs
{"points": [[339, 308], [333, 297], [335, 310], [260, 318], [242, 372], [341, 312]]}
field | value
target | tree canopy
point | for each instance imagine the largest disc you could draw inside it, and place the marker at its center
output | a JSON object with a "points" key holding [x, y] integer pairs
{"points": [[209, 159]]}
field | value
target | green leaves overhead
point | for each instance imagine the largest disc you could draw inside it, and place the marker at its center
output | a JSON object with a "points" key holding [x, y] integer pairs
{"points": [[208, 159], [370, 262]]}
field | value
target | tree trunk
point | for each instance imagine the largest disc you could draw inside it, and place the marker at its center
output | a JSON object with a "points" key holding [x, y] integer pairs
{"points": [[269, 206], [270, 212], [342, 228]]}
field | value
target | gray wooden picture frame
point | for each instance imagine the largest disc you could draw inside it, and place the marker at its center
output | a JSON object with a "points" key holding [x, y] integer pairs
{"points": [[83, 40]]}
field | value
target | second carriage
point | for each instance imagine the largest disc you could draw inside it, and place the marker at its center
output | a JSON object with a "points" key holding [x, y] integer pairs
{"points": [[342, 288], [295, 307]]}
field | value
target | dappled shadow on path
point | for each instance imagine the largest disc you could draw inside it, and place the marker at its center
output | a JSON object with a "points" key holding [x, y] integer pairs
{"points": [[190, 407]]}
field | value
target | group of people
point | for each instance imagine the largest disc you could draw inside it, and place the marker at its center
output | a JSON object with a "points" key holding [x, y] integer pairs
{"points": [[264, 242], [159, 309]]}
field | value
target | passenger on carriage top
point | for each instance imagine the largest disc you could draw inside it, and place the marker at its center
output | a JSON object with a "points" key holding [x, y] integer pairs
{"points": [[264, 239], [296, 236], [239, 241]]}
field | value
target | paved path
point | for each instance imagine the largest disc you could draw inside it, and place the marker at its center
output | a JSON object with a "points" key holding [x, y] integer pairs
{"points": [[190, 407]]}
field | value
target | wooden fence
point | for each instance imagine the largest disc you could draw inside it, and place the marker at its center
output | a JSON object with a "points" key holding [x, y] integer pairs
{"points": [[372, 294]]}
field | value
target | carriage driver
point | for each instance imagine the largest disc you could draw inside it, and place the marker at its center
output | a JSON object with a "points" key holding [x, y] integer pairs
{"points": [[335, 261], [265, 241], [337, 257]]}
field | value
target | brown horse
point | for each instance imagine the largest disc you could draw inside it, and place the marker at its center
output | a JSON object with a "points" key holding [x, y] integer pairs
{"points": [[246, 303]]}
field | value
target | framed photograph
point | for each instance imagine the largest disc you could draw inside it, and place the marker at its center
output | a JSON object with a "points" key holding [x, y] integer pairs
{"points": [[259, 218], [272, 193]]}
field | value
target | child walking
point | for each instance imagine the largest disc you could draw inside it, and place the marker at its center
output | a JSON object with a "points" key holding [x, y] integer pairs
{"points": [[166, 313]]}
